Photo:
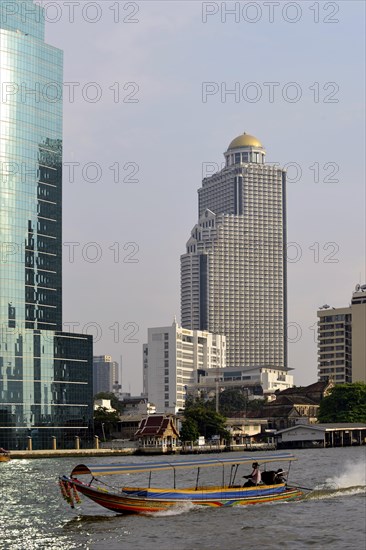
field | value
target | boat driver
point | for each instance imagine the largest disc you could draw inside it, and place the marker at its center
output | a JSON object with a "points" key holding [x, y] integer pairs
{"points": [[255, 477]]}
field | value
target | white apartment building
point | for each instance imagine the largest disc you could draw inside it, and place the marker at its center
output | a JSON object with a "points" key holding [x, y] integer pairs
{"points": [[233, 274], [173, 358]]}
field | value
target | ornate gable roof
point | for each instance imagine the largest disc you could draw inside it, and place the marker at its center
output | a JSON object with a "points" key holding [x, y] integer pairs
{"points": [[156, 425]]}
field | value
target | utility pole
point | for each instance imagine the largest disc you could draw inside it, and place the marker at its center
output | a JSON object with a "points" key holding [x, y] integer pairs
{"points": [[217, 394], [217, 380]]}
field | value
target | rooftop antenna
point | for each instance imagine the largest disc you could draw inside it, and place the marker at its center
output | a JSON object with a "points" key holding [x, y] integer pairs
{"points": [[120, 372]]}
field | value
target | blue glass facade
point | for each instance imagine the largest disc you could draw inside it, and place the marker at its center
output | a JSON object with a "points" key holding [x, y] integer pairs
{"points": [[45, 375]]}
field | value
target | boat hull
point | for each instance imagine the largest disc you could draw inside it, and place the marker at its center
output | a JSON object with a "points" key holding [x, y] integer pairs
{"points": [[138, 501]]}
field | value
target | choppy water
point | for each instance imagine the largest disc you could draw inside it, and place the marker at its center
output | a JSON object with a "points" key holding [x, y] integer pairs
{"points": [[34, 516]]}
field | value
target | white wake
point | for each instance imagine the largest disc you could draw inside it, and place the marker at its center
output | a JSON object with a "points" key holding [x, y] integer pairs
{"points": [[176, 510], [354, 475]]}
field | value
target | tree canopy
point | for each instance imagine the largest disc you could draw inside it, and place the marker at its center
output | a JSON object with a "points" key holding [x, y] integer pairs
{"points": [[189, 431], [345, 403], [200, 418], [233, 400], [105, 421]]}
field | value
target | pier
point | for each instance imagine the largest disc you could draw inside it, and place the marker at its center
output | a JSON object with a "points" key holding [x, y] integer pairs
{"points": [[322, 435]]}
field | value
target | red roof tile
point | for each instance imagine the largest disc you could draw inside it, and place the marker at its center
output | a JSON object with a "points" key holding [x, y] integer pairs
{"points": [[155, 425]]}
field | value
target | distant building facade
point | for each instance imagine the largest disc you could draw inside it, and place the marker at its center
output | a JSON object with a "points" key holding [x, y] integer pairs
{"points": [[103, 404], [233, 273], [137, 404], [340, 434], [298, 405], [105, 375], [342, 340], [173, 359], [259, 381]]}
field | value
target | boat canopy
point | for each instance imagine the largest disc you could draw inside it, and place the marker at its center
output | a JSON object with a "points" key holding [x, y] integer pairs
{"points": [[135, 467]]}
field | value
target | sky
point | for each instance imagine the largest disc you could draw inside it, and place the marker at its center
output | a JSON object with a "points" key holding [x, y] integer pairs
{"points": [[147, 104]]}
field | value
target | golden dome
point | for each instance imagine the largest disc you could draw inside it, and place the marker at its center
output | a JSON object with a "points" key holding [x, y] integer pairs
{"points": [[245, 140]]}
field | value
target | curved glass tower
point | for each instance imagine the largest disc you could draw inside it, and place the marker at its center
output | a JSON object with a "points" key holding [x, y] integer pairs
{"points": [[45, 375]]}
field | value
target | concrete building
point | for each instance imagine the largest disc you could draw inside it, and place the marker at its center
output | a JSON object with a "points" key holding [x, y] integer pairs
{"points": [[299, 405], [322, 435], [45, 374], [103, 404], [342, 340], [105, 375], [137, 404], [233, 274], [173, 358], [259, 381]]}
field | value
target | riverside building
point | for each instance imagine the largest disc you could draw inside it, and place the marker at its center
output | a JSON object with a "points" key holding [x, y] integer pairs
{"points": [[173, 360], [342, 340], [45, 374], [233, 274]]}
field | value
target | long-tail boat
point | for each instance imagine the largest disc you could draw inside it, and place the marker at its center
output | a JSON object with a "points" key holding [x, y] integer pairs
{"points": [[229, 492]]}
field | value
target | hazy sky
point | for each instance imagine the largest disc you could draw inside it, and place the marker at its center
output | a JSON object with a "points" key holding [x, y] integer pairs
{"points": [[153, 121]]}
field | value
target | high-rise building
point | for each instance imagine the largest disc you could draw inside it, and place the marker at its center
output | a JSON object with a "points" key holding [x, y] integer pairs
{"points": [[342, 340], [173, 360], [106, 375], [233, 274], [45, 374]]}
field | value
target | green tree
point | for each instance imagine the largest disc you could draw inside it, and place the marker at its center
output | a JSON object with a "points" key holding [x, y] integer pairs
{"points": [[233, 400], [189, 431], [256, 404], [201, 415], [345, 403], [105, 421]]}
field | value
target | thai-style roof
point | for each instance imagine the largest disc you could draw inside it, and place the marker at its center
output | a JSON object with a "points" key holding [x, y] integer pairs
{"points": [[155, 425]]}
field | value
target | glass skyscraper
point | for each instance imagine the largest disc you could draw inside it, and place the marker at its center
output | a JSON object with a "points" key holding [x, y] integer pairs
{"points": [[45, 374], [233, 274]]}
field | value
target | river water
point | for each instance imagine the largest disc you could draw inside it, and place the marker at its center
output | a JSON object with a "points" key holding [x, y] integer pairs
{"points": [[34, 516]]}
